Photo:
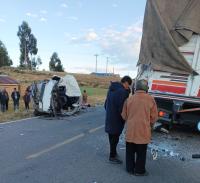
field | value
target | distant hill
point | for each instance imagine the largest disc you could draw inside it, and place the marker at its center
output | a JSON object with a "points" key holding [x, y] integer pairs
{"points": [[26, 77]]}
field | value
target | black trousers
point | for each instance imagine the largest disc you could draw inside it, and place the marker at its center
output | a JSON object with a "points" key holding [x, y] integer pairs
{"points": [[7, 101], [26, 105], [114, 140], [136, 157]]}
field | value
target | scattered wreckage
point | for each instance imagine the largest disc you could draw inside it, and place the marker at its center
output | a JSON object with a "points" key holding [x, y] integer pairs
{"points": [[57, 96]]}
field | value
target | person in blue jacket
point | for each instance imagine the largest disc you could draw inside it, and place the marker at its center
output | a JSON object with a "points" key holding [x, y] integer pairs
{"points": [[117, 94]]}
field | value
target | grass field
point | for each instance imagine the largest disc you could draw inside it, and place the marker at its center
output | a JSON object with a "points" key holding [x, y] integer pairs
{"points": [[95, 95], [96, 88]]}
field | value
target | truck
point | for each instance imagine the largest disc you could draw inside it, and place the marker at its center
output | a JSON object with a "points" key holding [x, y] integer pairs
{"points": [[171, 65]]}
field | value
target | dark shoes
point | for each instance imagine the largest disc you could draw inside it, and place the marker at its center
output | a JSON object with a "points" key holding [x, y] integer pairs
{"points": [[115, 160], [137, 174], [142, 174]]}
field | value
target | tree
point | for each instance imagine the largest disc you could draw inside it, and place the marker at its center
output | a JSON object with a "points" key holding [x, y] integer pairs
{"points": [[36, 63], [4, 57], [28, 44], [55, 63]]}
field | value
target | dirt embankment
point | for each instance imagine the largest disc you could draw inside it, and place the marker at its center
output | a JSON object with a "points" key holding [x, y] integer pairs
{"points": [[26, 77]]}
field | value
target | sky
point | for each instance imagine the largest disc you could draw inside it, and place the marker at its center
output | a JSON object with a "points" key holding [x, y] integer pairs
{"points": [[77, 30]]}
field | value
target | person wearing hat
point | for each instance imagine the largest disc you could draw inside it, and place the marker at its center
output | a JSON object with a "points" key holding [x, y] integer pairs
{"points": [[140, 113]]}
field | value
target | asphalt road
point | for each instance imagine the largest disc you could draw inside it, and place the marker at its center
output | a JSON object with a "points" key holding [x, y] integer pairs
{"points": [[75, 150]]}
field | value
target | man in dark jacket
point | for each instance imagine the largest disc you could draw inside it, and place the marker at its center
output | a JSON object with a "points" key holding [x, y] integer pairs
{"points": [[15, 96], [7, 99], [117, 94], [27, 99], [3, 101]]}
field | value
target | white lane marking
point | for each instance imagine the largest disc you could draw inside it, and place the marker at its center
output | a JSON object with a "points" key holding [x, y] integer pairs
{"points": [[96, 129], [36, 155], [56, 146], [19, 120]]}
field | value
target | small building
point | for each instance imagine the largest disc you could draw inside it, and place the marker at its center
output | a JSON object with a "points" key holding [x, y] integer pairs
{"points": [[100, 74], [8, 83]]}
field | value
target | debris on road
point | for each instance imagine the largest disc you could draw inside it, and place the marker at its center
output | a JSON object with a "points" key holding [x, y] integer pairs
{"points": [[158, 127], [164, 130], [177, 144], [157, 151]]}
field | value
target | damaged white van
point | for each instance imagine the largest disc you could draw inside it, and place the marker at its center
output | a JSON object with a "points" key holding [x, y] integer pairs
{"points": [[57, 96]]}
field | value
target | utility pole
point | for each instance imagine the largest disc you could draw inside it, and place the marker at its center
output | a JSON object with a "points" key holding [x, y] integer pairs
{"points": [[96, 55], [107, 65], [113, 70]]}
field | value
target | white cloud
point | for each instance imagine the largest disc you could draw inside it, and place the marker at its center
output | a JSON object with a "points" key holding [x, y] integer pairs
{"points": [[91, 36], [42, 19], [64, 5], [121, 45], [2, 20], [32, 15], [72, 18], [44, 12]]}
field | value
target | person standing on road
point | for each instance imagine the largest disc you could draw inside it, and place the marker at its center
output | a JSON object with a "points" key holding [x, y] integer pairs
{"points": [[117, 94], [27, 99], [15, 96], [3, 101], [140, 113], [85, 98], [7, 99]]}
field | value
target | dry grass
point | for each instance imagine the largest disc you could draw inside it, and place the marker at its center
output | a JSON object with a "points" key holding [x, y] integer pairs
{"points": [[26, 77], [11, 115], [95, 86]]}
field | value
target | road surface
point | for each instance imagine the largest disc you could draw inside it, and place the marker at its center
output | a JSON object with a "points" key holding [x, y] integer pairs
{"points": [[75, 150]]}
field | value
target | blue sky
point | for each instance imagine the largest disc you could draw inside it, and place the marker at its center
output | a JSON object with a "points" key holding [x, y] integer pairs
{"points": [[76, 30]]}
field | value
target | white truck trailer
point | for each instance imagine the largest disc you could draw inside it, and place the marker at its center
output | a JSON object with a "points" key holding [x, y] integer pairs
{"points": [[170, 60]]}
